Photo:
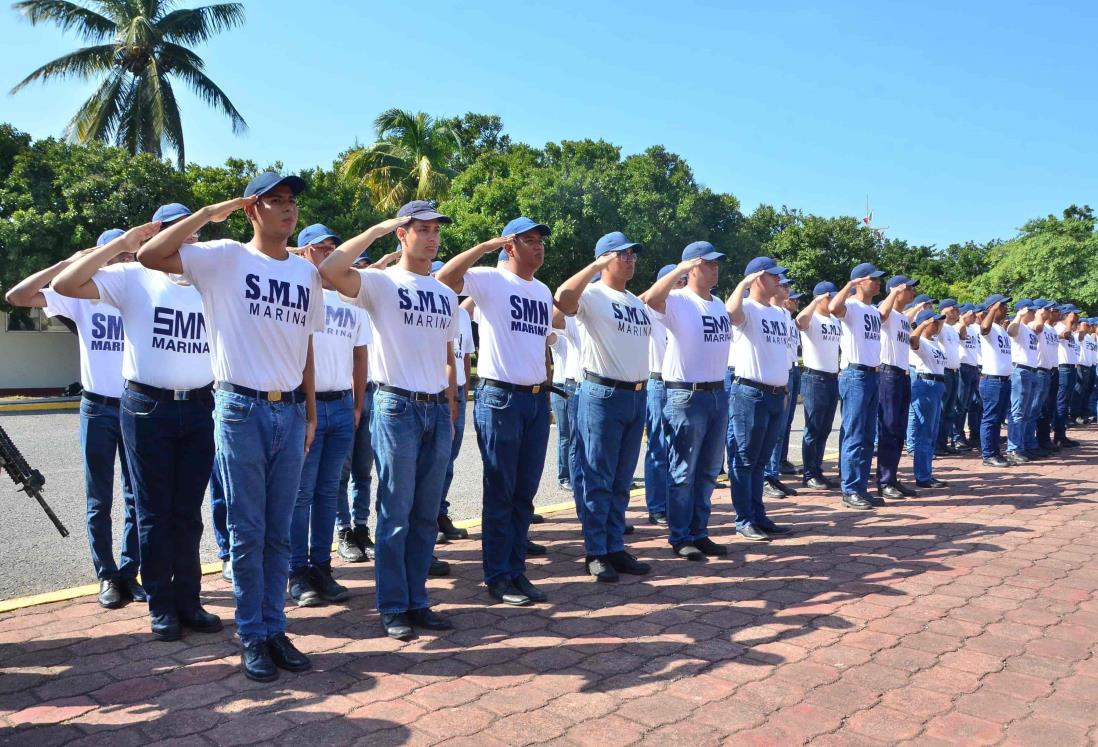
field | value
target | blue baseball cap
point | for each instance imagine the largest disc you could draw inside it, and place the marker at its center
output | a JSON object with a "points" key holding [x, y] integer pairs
{"points": [[966, 307], [1025, 303], [108, 236], [1069, 308], [422, 210], [785, 280], [701, 250], [364, 257], [171, 211], [522, 224], [664, 270], [925, 314], [824, 286], [436, 266], [316, 233], [922, 298], [946, 303], [615, 241], [794, 294], [865, 270], [763, 264], [268, 180], [898, 280], [994, 299]]}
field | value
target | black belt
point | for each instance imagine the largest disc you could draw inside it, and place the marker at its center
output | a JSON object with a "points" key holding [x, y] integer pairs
{"points": [[170, 395], [1026, 368], [531, 389], [817, 372], [655, 377], [414, 396], [293, 397], [894, 369], [1067, 366], [633, 386], [994, 377], [100, 399], [970, 365], [332, 396], [932, 377], [701, 386], [761, 387], [862, 367]]}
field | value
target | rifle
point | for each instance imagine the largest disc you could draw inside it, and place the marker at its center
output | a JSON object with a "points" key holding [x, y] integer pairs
{"points": [[31, 480]]}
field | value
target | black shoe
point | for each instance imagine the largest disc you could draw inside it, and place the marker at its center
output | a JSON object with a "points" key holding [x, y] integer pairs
{"points": [[438, 568], [302, 590], [533, 548], [257, 662], [710, 548], [428, 619], [751, 533], [165, 627], [134, 590], [688, 551], [623, 562], [565, 485], [853, 500], [285, 655], [326, 586], [362, 537], [112, 595], [199, 620], [1039, 453], [601, 570], [787, 468], [874, 500], [1015, 458], [227, 570], [776, 483], [537, 519], [903, 488], [1066, 443], [447, 529], [659, 519], [772, 492], [932, 483], [891, 491], [398, 626], [773, 529], [952, 450], [523, 586], [941, 452], [996, 461], [347, 547], [629, 529], [505, 591], [817, 483]]}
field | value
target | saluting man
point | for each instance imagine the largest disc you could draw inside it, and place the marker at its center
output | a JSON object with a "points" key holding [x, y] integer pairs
{"points": [[994, 379], [820, 333], [950, 339], [1069, 369], [1024, 331], [655, 458], [927, 394], [895, 401]]}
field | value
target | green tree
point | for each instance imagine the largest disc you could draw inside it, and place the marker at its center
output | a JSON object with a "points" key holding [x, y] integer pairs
{"points": [[137, 49], [411, 159]]}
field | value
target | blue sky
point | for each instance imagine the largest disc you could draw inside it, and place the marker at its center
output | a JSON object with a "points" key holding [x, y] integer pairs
{"points": [[960, 120]]}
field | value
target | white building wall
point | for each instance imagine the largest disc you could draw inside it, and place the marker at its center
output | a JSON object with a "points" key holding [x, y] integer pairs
{"points": [[37, 360]]}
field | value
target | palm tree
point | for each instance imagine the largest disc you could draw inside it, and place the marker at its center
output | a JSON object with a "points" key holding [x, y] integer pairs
{"points": [[137, 48], [410, 160]]}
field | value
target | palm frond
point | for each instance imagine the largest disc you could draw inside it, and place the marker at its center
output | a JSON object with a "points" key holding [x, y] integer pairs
{"points": [[83, 63], [208, 91], [67, 16], [196, 25], [173, 123], [98, 117]]}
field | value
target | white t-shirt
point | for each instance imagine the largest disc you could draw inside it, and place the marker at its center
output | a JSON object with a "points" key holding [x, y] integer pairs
{"points": [[698, 336], [464, 345], [995, 352], [792, 340], [657, 345], [896, 340], [860, 341], [565, 350], [950, 341], [101, 337], [930, 358], [1024, 347], [515, 320], [763, 344], [820, 343], [1069, 347], [260, 312], [618, 327], [970, 346], [413, 319], [346, 327], [1048, 347], [1089, 355], [166, 342]]}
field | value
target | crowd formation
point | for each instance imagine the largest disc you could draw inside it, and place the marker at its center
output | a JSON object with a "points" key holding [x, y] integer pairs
{"points": [[280, 376]]}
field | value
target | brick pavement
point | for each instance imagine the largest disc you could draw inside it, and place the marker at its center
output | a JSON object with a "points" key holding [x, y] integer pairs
{"points": [[967, 617]]}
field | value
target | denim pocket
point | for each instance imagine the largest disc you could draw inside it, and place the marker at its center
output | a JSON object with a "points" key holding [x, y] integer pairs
{"points": [[391, 406], [139, 405], [234, 410], [497, 399], [597, 391], [679, 397]]}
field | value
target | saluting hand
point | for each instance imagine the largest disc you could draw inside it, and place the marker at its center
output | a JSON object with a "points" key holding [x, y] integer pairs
{"points": [[221, 211], [386, 227], [492, 245], [684, 267]]}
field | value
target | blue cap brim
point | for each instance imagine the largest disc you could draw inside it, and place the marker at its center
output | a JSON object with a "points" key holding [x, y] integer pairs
{"points": [[711, 256], [431, 215], [295, 183], [322, 237]]}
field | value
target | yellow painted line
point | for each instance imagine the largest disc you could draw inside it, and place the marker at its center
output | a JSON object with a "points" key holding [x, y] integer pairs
{"points": [[33, 406]]}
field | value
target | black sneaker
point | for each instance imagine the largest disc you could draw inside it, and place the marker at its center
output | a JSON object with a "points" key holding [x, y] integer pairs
{"points": [[659, 518], [853, 500], [523, 586], [165, 627], [301, 589], [751, 533], [285, 655], [710, 548], [601, 570], [623, 562], [257, 663], [397, 626], [689, 552], [362, 537], [817, 483], [112, 595], [438, 568], [772, 492], [348, 547], [428, 619], [199, 620], [326, 586], [996, 461], [1014, 457], [447, 529], [776, 530], [873, 500], [932, 483], [534, 549], [134, 590], [903, 488]]}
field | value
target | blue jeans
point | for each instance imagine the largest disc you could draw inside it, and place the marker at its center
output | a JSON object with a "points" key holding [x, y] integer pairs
{"points": [[100, 441], [219, 513], [949, 406], [730, 432], [697, 422], [1092, 402], [1022, 393], [655, 458], [564, 430], [170, 451], [455, 449], [356, 470], [893, 410], [926, 412], [412, 446], [1048, 408], [260, 450], [858, 392], [1037, 403], [609, 428], [315, 509], [773, 467], [821, 397], [758, 418], [968, 381], [1084, 386], [512, 433], [995, 395], [1064, 393]]}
